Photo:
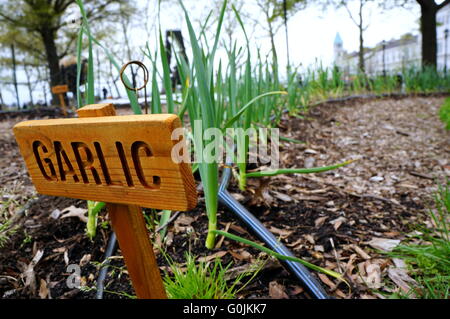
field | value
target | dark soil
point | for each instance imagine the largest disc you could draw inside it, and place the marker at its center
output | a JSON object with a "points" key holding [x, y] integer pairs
{"points": [[327, 219]]}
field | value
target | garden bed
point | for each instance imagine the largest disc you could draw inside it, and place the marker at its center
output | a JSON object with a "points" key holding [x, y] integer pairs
{"points": [[402, 151]]}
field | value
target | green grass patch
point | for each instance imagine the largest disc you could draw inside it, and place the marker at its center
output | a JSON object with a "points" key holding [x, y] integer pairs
{"points": [[444, 113], [206, 280], [428, 257]]}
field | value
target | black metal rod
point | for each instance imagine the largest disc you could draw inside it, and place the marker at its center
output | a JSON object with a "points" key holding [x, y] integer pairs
{"points": [[300, 271]]}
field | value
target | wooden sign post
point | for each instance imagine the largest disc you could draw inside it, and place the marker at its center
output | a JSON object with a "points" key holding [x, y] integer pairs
{"points": [[60, 90], [122, 160]]}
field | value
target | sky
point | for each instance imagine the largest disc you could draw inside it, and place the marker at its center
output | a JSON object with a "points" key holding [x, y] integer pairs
{"points": [[311, 33]]}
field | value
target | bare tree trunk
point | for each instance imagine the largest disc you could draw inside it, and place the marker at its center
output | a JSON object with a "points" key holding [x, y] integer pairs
{"points": [[286, 33], [272, 43], [44, 89], [98, 77], [2, 102], [360, 24], [428, 30], [13, 56], [48, 38], [30, 89], [361, 64], [127, 44], [113, 80]]}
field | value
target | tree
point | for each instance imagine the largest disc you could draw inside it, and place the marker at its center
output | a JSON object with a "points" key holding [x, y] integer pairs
{"points": [[428, 12], [362, 27], [274, 13], [41, 25], [358, 19], [428, 24]]}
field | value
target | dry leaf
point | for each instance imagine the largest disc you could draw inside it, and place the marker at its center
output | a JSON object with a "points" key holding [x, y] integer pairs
{"points": [[310, 151], [222, 238], [219, 254], [185, 220], [391, 234], [320, 221], [169, 238], [349, 266], [85, 260], [296, 290], [236, 228], [338, 222], [283, 197], [28, 274], [340, 294], [282, 232], [317, 255], [399, 263], [384, 243], [403, 280], [319, 248], [73, 211], [240, 254], [238, 196], [327, 281], [277, 291], [360, 252], [43, 290], [66, 257], [295, 243], [310, 239], [373, 278]]}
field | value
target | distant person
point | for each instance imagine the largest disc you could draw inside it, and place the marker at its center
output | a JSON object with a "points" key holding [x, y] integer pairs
{"points": [[105, 93]]}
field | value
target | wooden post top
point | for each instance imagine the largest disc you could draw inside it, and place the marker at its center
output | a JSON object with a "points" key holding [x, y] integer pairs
{"points": [[97, 110], [60, 89]]}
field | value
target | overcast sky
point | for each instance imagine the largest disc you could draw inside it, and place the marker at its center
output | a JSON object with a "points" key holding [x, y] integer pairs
{"points": [[311, 33]]}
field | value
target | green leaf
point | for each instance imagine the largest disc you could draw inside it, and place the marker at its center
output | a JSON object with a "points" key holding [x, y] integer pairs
{"points": [[246, 106], [166, 75], [279, 256], [298, 170]]}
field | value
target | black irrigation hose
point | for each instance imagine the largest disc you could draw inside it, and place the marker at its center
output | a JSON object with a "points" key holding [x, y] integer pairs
{"points": [[300, 271], [105, 265], [254, 224]]}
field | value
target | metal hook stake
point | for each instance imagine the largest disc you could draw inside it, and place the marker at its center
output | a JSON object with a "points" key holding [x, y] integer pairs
{"points": [[136, 89]]}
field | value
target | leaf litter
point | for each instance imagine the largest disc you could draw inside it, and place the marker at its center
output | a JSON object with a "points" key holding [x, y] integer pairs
{"points": [[330, 219]]}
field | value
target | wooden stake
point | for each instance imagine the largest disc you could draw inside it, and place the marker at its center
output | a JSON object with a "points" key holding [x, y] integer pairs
{"points": [[61, 90], [129, 225], [63, 104]]}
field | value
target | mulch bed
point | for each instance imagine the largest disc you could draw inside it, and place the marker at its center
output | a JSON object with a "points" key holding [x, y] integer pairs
{"points": [[328, 219]]}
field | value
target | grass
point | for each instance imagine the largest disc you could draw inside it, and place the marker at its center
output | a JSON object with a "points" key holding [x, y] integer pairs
{"points": [[6, 231], [7, 202], [205, 280], [428, 259], [444, 113]]}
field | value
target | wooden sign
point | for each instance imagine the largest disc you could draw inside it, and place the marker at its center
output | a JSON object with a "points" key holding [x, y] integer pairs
{"points": [[116, 159], [60, 89], [123, 159]]}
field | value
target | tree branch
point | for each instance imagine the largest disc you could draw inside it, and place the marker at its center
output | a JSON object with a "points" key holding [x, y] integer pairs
{"points": [[443, 4]]}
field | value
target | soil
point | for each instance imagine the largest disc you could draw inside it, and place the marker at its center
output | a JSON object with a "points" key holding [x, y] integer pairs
{"points": [[330, 219]]}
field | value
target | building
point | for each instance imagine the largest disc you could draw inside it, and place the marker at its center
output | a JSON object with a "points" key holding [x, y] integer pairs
{"points": [[443, 41], [393, 56]]}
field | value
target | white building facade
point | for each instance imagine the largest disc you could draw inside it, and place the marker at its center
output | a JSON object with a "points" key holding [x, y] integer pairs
{"points": [[391, 57]]}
